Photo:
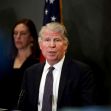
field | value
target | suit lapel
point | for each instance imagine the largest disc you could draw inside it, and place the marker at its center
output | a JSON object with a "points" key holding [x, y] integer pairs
{"points": [[63, 79], [38, 77], [37, 82]]}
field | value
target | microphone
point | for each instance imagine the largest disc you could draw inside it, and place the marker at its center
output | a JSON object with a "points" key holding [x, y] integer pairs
{"points": [[21, 98]]}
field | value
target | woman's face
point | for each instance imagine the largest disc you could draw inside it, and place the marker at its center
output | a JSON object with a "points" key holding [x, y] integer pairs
{"points": [[22, 36]]}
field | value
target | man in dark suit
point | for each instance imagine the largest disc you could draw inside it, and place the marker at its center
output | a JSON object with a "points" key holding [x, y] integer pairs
{"points": [[72, 80]]}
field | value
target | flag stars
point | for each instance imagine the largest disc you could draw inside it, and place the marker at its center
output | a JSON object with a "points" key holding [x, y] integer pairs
{"points": [[46, 11], [52, 11], [53, 19]]}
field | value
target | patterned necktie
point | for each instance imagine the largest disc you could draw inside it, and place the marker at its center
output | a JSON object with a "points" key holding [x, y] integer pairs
{"points": [[48, 91]]}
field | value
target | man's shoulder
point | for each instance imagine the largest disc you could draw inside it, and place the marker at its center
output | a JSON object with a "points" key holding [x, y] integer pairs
{"points": [[35, 67], [76, 64]]}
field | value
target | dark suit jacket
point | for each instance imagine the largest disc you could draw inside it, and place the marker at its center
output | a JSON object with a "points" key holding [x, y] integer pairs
{"points": [[10, 85], [75, 87]]}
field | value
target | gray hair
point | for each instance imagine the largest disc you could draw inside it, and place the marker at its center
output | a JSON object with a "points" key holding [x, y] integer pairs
{"points": [[56, 27]]}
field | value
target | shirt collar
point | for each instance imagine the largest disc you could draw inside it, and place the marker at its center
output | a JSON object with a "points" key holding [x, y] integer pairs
{"points": [[56, 66]]}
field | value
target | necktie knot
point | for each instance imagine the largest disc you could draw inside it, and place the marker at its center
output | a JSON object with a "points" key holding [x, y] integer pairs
{"points": [[51, 68]]}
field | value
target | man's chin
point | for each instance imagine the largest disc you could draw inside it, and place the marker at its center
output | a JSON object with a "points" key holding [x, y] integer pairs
{"points": [[51, 58]]}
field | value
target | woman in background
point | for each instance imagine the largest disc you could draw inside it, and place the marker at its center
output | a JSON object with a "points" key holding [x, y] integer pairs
{"points": [[26, 53]]}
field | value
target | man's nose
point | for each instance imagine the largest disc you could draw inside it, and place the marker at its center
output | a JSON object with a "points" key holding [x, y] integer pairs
{"points": [[52, 43]]}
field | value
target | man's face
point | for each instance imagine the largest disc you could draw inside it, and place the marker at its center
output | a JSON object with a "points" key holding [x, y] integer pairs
{"points": [[53, 46]]}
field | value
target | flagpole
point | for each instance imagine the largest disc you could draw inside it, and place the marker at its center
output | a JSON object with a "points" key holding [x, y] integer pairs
{"points": [[61, 19]]}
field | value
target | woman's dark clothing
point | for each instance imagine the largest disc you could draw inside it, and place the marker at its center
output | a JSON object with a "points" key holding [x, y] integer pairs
{"points": [[12, 83]]}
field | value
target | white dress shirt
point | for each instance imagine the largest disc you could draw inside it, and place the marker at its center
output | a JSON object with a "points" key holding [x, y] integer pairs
{"points": [[56, 80]]}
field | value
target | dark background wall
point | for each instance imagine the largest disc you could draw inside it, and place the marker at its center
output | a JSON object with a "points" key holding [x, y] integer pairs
{"points": [[89, 26]]}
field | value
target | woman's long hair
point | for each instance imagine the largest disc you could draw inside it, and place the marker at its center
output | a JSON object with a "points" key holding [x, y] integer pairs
{"points": [[32, 29]]}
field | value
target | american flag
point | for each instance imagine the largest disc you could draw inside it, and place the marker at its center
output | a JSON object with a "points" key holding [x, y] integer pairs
{"points": [[52, 13]]}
